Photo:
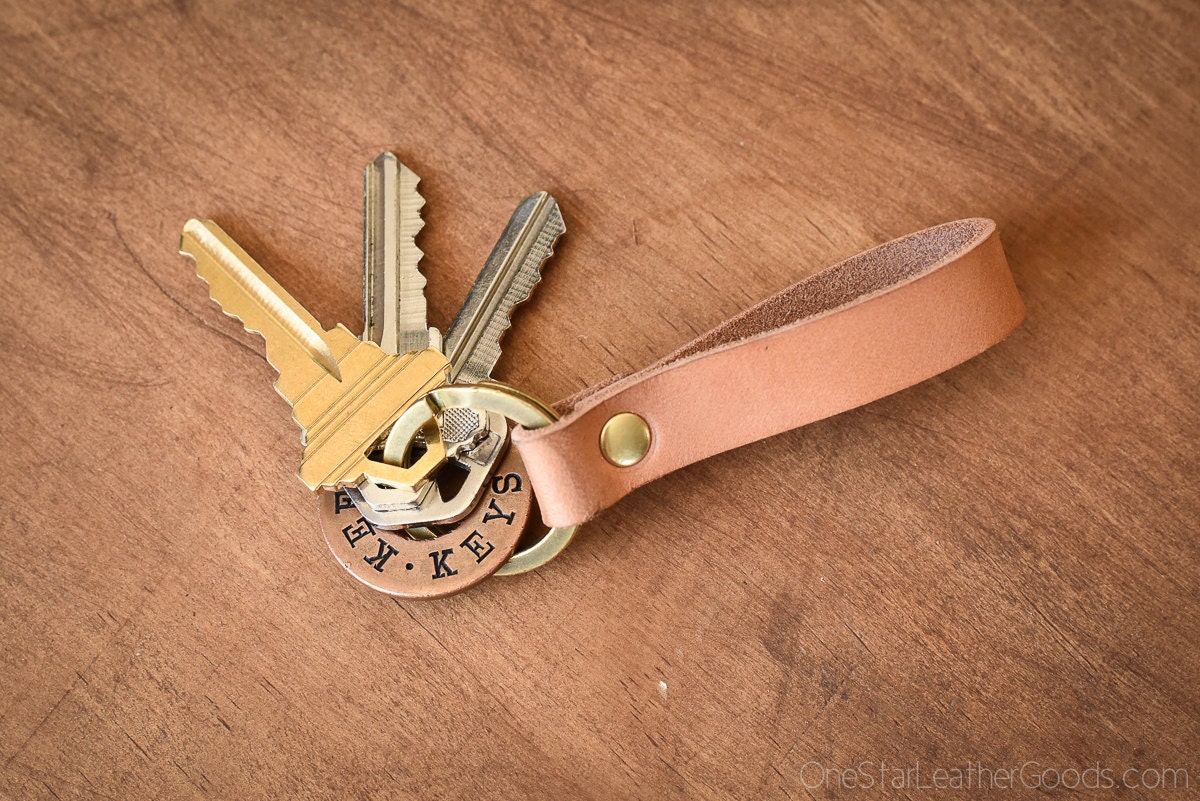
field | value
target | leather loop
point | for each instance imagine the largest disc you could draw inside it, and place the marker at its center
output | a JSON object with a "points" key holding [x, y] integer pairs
{"points": [[872, 325]]}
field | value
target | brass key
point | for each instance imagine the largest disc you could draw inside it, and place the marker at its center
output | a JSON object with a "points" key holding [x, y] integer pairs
{"points": [[345, 393]]}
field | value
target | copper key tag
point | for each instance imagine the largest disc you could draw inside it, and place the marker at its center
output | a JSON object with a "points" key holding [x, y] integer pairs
{"points": [[473, 549]]}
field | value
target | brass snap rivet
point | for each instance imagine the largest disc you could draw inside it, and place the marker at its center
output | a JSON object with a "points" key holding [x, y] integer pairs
{"points": [[625, 439]]}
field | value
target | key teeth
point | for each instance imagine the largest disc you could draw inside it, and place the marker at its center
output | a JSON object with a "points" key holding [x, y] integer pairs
{"points": [[208, 237], [331, 366], [513, 270], [544, 244], [411, 204], [394, 313], [251, 329]]}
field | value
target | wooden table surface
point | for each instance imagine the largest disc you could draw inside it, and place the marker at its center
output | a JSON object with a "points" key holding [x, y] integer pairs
{"points": [[995, 568]]}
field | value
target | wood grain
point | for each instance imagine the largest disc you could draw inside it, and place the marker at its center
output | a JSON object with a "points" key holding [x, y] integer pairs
{"points": [[996, 567]]}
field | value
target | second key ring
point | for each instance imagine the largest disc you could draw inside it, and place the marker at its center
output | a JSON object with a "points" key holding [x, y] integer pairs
{"points": [[519, 407]]}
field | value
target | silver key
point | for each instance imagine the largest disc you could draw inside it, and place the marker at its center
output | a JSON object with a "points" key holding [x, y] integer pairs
{"points": [[394, 311], [508, 278], [473, 347]]}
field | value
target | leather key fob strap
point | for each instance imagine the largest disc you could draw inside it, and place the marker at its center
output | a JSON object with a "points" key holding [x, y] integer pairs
{"points": [[872, 325]]}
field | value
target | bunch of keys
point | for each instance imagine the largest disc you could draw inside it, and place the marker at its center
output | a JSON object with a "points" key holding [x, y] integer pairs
{"points": [[404, 430], [409, 434]]}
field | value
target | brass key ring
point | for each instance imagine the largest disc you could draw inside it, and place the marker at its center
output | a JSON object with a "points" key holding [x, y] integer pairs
{"points": [[488, 396]]}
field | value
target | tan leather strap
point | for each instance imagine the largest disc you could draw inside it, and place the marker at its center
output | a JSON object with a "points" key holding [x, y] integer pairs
{"points": [[872, 325]]}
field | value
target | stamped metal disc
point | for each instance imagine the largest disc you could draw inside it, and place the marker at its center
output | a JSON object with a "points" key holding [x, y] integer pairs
{"points": [[470, 551]]}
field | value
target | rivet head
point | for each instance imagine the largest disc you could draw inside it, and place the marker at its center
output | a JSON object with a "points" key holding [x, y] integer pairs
{"points": [[625, 439]]}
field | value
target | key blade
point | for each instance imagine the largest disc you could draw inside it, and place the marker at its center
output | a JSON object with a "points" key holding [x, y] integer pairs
{"points": [[245, 291], [512, 270], [394, 311], [345, 394]]}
